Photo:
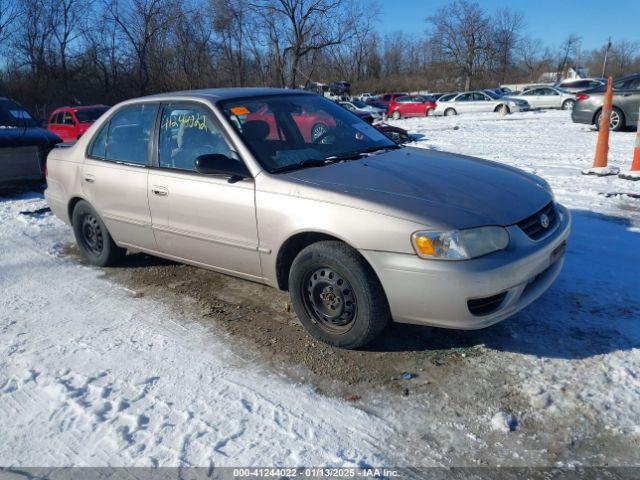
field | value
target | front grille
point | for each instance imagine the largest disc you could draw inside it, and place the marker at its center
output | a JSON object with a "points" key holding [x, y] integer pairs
{"points": [[486, 305], [532, 225]]}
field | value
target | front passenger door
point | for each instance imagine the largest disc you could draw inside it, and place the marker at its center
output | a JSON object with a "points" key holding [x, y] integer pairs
{"points": [[203, 219]]}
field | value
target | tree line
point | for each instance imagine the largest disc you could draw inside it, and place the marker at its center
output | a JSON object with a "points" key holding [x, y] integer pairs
{"points": [[57, 52]]}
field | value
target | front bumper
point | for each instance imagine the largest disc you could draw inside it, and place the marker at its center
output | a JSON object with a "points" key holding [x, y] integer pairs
{"points": [[436, 292]]}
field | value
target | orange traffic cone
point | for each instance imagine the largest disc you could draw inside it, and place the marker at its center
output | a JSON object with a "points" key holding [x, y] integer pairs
{"points": [[634, 173], [600, 167]]}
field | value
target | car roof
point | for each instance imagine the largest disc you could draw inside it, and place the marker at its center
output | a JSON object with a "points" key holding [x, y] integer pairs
{"points": [[227, 93]]}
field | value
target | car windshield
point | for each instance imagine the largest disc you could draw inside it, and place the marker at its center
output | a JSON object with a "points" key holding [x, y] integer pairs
{"points": [[492, 94], [447, 97], [359, 104], [87, 115], [14, 115], [287, 132]]}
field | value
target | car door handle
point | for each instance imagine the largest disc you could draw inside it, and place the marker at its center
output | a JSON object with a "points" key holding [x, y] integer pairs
{"points": [[89, 178], [159, 191]]}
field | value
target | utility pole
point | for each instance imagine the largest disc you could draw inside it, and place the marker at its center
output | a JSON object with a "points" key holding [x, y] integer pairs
{"points": [[606, 54]]}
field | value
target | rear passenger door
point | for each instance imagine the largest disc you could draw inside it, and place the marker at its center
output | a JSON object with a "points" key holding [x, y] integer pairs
{"points": [[114, 175], [209, 220]]}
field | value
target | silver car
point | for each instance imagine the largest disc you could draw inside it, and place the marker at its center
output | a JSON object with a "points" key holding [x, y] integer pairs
{"points": [[547, 97], [626, 104], [479, 101], [576, 85], [359, 230], [355, 105]]}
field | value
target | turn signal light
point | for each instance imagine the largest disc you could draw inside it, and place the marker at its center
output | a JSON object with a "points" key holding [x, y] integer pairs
{"points": [[425, 246]]}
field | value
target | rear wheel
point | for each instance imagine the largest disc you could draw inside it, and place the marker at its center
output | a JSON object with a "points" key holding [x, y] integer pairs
{"points": [[396, 115], [568, 104], [92, 236], [337, 296], [617, 121], [450, 112]]}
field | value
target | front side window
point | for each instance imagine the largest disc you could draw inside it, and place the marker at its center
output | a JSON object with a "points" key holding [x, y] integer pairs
{"points": [[125, 138], [67, 119], [88, 115], [285, 131], [186, 132]]}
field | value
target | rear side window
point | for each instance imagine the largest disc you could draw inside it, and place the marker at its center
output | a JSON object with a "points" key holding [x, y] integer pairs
{"points": [[633, 84], [125, 138]]}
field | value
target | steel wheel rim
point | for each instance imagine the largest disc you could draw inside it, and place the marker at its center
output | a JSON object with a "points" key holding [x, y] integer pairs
{"points": [[329, 300], [92, 237]]}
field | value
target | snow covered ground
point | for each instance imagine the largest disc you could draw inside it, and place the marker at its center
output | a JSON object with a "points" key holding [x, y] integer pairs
{"points": [[93, 374]]}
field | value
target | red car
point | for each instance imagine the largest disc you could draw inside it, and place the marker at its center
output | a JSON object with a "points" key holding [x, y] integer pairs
{"points": [[69, 123], [312, 125], [410, 106], [387, 98]]}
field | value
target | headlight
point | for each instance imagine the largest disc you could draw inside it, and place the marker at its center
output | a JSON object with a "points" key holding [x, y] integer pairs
{"points": [[460, 244]]}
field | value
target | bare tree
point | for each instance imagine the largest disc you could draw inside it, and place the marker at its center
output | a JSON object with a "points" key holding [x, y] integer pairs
{"points": [[141, 22], [8, 15], [67, 15], [507, 27], [461, 35], [296, 28], [567, 52]]}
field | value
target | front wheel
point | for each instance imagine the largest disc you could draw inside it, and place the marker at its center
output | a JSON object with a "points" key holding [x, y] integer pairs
{"points": [[503, 109], [92, 237], [337, 296]]}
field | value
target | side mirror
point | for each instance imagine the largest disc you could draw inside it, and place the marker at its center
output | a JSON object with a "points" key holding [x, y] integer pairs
{"points": [[218, 164]]}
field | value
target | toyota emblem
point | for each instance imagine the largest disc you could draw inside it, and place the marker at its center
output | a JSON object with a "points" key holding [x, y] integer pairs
{"points": [[544, 221]]}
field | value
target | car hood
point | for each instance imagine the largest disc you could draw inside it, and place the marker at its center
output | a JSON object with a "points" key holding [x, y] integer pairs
{"points": [[429, 187]]}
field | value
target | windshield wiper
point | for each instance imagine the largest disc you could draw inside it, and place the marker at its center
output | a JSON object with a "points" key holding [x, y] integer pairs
{"points": [[377, 149], [307, 163]]}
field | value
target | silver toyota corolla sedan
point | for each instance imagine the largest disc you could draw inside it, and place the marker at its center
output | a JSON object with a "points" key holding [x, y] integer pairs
{"points": [[289, 189]]}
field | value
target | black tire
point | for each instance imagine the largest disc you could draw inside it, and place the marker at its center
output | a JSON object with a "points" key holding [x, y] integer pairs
{"points": [[616, 126], [450, 112], [503, 108], [568, 104], [337, 295], [92, 237]]}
